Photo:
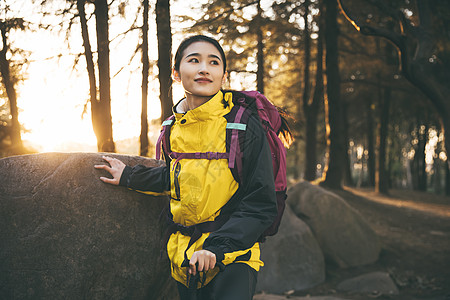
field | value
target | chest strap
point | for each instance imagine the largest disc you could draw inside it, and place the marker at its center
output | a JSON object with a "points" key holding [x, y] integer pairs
{"points": [[198, 155]]}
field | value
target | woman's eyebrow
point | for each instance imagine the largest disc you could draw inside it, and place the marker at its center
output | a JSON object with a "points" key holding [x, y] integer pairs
{"points": [[198, 54], [214, 56]]}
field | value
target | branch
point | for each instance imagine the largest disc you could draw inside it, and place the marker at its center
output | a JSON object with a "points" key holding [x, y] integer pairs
{"points": [[347, 15], [395, 38], [136, 51], [204, 22]]}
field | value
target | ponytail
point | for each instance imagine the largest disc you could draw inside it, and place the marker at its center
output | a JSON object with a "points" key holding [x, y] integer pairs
{"points": [[284, 133]]}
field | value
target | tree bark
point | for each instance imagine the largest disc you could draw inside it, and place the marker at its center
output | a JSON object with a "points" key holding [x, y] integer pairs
{"points": [[164, 56], [381, 175], [335, 137], [348, 180], [436, 177], [311, 107], [14, 133], [447, 177], [105, 142], [145, 70], [95, 112], [370, 142], [421, 163]]}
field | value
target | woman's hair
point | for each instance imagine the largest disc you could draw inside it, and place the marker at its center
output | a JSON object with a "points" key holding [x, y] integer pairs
{"points": [[197, 38]]}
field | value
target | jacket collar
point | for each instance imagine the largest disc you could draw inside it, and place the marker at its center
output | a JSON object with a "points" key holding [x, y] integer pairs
{"points": [[212, 108]]}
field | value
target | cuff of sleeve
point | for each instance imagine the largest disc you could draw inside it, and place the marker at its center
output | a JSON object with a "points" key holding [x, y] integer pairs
{"points": [[125, 175], [217, 251]]}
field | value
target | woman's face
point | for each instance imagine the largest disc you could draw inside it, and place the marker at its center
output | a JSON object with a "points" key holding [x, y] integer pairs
{"points": [[201, 70]]}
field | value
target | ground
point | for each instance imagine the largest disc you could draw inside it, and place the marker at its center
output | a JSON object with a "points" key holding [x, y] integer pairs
{"points": [[414, 231]]}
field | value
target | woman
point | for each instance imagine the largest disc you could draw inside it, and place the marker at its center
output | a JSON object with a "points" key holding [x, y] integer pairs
{"points": [[221, 264]]}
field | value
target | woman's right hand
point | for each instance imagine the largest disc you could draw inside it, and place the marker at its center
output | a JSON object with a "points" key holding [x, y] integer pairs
{"points": [[115, 169]]}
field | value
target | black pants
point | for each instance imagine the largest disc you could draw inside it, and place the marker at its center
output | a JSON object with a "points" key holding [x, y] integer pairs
{"points": [[236, 282]]}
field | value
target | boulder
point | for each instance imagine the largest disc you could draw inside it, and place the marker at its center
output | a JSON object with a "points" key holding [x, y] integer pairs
{"points": [[292, 258], [67, 235], [345, 237], [375, 284]]}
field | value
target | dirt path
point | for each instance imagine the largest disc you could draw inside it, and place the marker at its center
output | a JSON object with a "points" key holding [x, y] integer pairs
{"points": [[414, 231]]}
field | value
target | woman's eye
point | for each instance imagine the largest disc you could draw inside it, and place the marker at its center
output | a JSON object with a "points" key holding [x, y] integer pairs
{"points": [[215, 62], [194, 60]]}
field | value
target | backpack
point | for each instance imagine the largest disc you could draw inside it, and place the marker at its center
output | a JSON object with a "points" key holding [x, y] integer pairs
{"points": [[245, 103]]}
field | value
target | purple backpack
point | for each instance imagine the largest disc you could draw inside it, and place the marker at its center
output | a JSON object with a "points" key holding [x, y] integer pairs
{"points": [[246, 104]]}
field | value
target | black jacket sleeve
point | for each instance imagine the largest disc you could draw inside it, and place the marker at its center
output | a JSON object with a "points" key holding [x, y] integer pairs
{"points": [[142, 178], [256, 204]]}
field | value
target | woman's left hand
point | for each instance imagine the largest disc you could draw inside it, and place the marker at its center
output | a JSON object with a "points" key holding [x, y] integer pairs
{"points": [[116, 170], [206, 261]]}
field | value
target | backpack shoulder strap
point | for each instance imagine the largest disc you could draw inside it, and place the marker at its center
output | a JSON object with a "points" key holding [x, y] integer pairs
{"points": [[164, 137], [237, 121]]}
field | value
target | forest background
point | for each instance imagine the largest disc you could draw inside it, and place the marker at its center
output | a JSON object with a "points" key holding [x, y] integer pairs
{"points": [[364, 84]]}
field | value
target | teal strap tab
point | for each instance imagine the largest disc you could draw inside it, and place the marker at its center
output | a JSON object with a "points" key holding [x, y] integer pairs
{"points": [[237, 126], [167, 122]]}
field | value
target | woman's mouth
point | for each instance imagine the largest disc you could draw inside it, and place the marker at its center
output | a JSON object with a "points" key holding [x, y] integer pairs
{"points": [[203, 80]]}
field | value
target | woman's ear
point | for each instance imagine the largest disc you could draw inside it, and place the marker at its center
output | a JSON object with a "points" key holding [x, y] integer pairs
{"points": [[224, 78], [176, 75]]}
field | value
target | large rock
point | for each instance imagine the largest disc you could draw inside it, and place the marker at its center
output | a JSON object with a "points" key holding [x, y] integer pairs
{"points": [[375, 284], [67, 235], [293, 259], [344, 236]]}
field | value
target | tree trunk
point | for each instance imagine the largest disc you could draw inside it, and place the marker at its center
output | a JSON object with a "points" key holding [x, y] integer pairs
{"points": [[164, 56], [381, 175], [348, 180], [421, 163], [95, 107], [414, 165], [370, 142], [145, 70], [436, 178], [447, 177], [16, 139], [335, 137], [105, 142], [260, 54], [311, 108]]}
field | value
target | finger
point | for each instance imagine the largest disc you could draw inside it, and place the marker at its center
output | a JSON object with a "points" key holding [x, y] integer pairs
{"points": [[108, 180], [108, 159], [192, 262], [101, 167], [212, 261], [116, 164], [201, 263], [104, 167], [209, 261]]}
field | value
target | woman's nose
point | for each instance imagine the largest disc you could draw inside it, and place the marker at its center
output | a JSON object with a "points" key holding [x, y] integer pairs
{"points": [[203, 69]]}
